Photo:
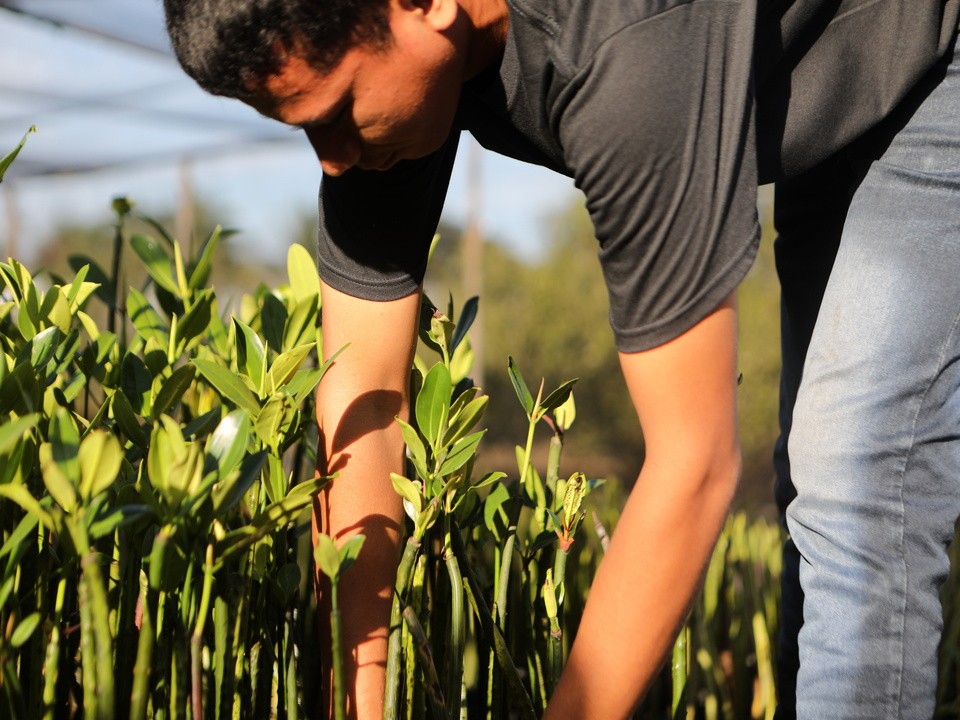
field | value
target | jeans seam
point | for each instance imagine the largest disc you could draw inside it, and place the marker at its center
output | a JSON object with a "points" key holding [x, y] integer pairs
{"points": [[903, 512]]}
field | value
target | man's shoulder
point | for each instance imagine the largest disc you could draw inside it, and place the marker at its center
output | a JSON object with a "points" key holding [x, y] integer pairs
{"points": [[573, 31]]}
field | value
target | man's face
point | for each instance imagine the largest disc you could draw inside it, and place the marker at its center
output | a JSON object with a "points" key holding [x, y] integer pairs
{"points": [[379, 104]]}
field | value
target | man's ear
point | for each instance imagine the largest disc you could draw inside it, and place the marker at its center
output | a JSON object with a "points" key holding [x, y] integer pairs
{"points": [[439, 14]]}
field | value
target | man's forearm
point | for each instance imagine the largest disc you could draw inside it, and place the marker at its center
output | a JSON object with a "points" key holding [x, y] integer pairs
{"points": [[642, 591], [685, 396], [358, 401], [361, 500]]}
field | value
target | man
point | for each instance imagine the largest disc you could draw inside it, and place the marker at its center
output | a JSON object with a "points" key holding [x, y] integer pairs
{"points": [[666, 113]]}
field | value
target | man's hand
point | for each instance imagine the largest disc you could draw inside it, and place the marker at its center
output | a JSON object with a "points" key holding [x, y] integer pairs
{"points": [[357, 401], [685, 396]]}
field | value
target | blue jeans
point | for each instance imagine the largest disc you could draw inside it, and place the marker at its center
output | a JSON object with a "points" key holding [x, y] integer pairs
{"points": [[869, 458]]}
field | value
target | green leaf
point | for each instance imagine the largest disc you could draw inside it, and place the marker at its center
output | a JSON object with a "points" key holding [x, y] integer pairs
{"points": [[465, 419], [558, 397], [433, 404], [201, 271], [227, 445], [43, 346], [286, 365], [60, 487], [173, 389], [180, 272], [301, 323], [156, 261], [103, 286], [278, 515], [349, 552], [275, 479], [250, 353], [326, 556], [12, 155], [273, 318], [520, 387], [25, 629], [303, 384], [408, 490], [55, 310], [489, 479], [467, 315], [22, 497], [557, 524], [11, 432], [28, 319], [100, 458], [196, 320], [461, 361], [544, 540], [146, 320], [565, 413], [274, 420], [418, 453], [160, 229], [288, 581], [302, 271], [19, 536], [127, 420], [174, 467], [65, 444], [494, 516], [19, 391], [117, 517], [465, 449], [228, 385], [79, 290], [168, 564], [573, 496], [229, 491], [136, 381]]}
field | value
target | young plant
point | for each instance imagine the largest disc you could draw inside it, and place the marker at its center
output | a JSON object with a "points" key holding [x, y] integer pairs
{"points": [[333, 563]]}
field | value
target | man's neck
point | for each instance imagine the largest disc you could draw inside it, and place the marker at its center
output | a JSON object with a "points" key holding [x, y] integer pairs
{"points": [[489, 21]]}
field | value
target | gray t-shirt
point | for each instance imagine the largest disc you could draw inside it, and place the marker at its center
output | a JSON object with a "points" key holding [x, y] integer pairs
{"points": [[661, 111]]}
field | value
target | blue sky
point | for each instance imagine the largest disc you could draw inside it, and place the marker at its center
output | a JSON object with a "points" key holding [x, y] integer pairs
{"points": [[145, 107]]}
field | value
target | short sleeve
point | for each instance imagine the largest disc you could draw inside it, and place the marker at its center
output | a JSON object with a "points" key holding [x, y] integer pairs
{"points": [[375, 227], [658, 131]]}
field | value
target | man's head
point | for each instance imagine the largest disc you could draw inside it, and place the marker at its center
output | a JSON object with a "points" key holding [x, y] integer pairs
{"points": [[231, 46], [372, 82]]}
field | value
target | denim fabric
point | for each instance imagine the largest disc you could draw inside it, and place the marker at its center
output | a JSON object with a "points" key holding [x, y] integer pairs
{"points": [[873, 440]]}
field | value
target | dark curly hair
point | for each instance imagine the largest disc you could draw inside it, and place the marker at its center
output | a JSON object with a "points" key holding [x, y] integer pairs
{"points": [[230, 46]]}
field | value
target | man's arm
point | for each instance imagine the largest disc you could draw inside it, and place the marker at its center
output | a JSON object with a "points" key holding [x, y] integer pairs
{"points": [[685, 395], [357, 401]]}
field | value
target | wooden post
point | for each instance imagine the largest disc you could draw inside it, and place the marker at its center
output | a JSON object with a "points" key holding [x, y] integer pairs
{"points": [[472, 255], [184, 216], [13, 220]]}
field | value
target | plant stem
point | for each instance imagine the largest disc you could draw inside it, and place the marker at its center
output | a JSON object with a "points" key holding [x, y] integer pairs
{"points": [[503, 587], [524, 706], [95, 605], [51, 664], [336, 635], [553, 462], [679, 674], [455, 651], [434, 692], [142, 668], [196, 642], [88, 650], [396, 614]]}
